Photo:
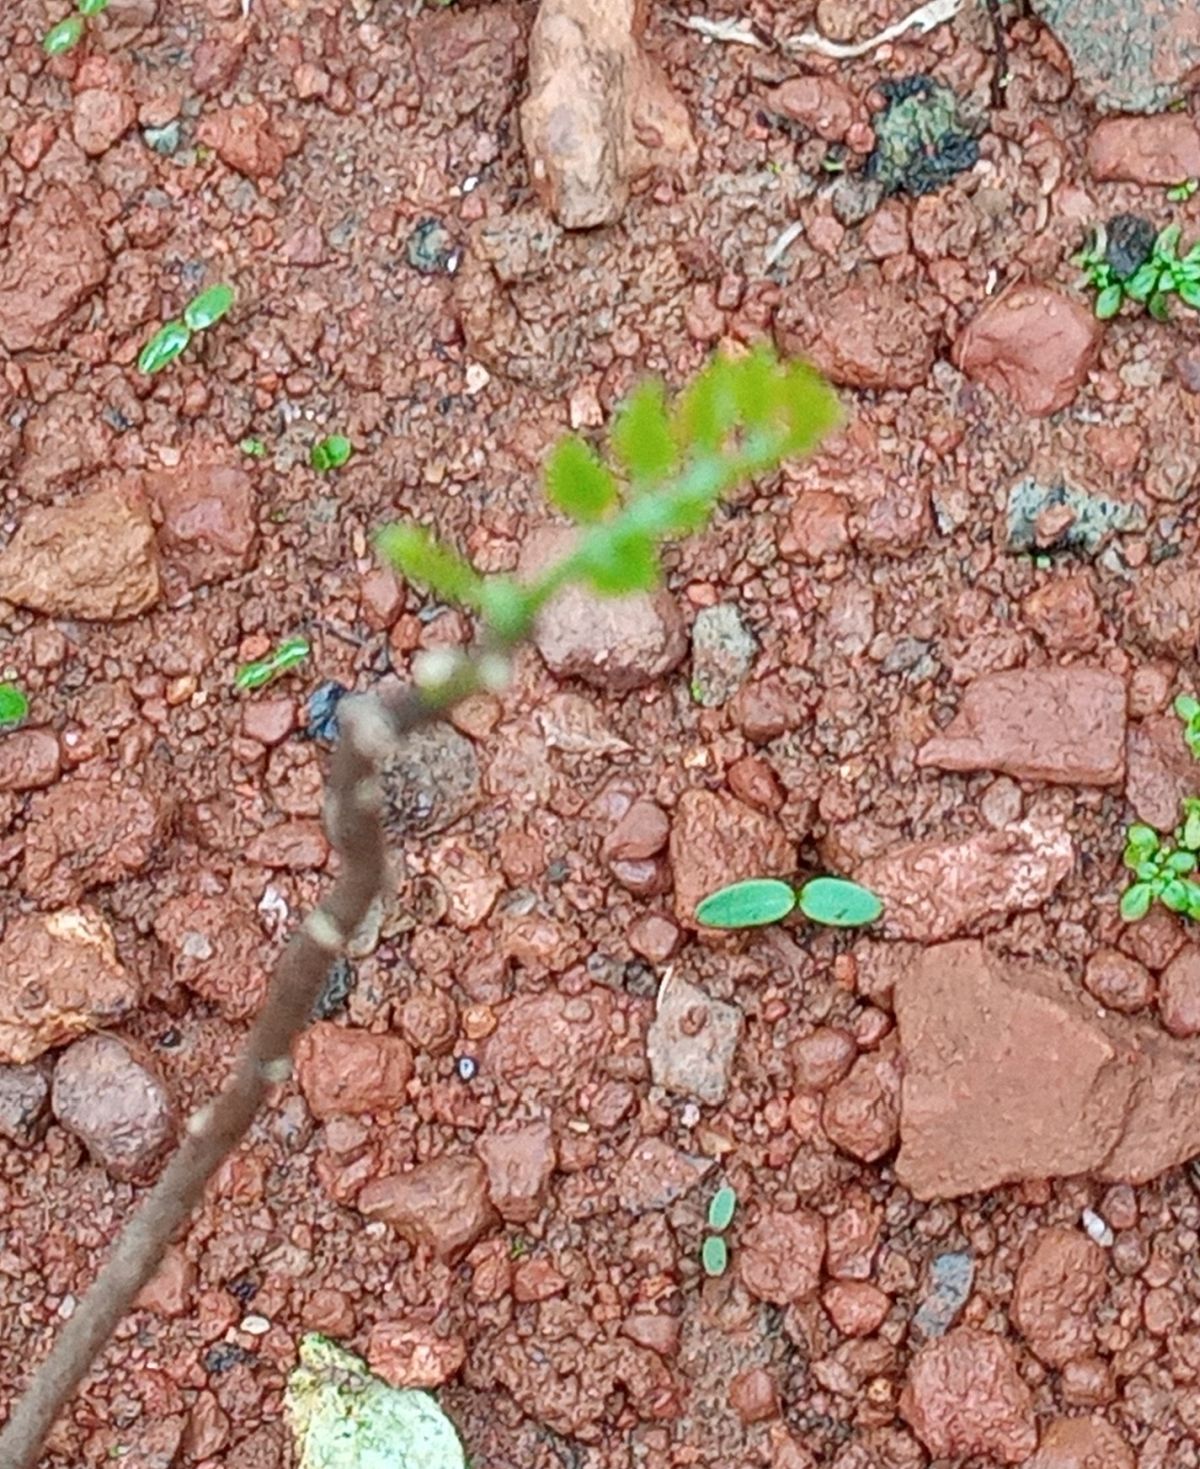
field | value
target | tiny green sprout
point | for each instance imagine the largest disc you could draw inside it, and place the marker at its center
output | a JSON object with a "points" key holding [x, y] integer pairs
{"points": [[518, 1247], [208, 307], [1163, 867], [253, 448], [64, 36], [14, 706], [91, 7], [714, 1255], [331, 453], [1188, 709], [265, 670], [720, 1210], [167, 343], [1181, 192], [833, 901]]}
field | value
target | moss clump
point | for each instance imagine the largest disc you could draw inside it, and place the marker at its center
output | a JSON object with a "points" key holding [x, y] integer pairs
{"points": [[922, 138]]}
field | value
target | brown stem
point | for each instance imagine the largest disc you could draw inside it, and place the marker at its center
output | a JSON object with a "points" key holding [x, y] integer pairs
{"points": [[1000, 64], [353, 815]]}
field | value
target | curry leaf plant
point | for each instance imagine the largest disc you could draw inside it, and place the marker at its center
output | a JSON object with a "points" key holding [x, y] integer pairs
{"points": [[669, 465], [834, 901]]}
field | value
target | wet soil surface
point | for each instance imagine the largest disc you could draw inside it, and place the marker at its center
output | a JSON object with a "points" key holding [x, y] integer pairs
{"points": [[939, 657]]}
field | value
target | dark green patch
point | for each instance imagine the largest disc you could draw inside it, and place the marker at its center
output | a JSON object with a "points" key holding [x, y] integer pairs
{"points": [[922, 137]]}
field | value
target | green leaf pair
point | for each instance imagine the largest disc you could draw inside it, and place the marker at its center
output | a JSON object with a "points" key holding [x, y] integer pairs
{"points": [[173, 337], [833, 901], [68, 33], [671, 465], [714, 1253], [331, 453]]}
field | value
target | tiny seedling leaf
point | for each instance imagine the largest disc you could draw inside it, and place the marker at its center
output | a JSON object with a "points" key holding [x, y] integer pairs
{"points": [[91, 7], [64, 36], [1190, 836], [1142, 282], [1135, 901], [263, 671], [1108, 302], [343, 1417], [721, 1209], [1174, 896], [14, 706], [1141, 842], [331, 453], [641, 434], [208, 307], [838, 902], [506, 607], [419, 557], [748, 904], [619, 561], [1186, 706], [1181, 863], [714, 1255], [163, 347], [1159, 306], [577, 483], [1189, 293]]}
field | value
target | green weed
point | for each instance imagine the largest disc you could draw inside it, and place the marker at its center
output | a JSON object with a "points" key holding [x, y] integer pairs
{"points": [[173, 337], [262, 671], [14, 706], [68, 33], [1152, 282], [331, 453]]}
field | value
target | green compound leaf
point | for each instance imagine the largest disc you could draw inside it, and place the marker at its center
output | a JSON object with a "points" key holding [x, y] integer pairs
{"points": [[163, 347], [1108, 302], [641, 434], [721, 1209], [64, 36], [577, 482], [14, 706], [331, 453], [1135, 901], [748, 904], [706, 410], [619, 561], [421, 558], [208, 307], [810, 407], [714, 1255], [838, 902], [343, 1417]]}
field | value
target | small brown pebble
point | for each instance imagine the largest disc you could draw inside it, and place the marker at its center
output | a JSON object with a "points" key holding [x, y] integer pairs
{"points": [[856, 1307], [1087, 1382], [1179, 994], [752, 1396], [269, 721], [642, 832], [654, 937], [822, 1058], [752, 779], [1118, 982], [478, 1021]]}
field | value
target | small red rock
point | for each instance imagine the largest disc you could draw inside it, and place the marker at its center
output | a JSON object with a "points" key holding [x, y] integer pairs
{"points": [[1118, 982], [344, 1071], [55, 259], [766, 709], [1081, 1443], [412, 1354], [209, 526], [822, 1058], [753, 1397], [779, 1259], [717, 840], [654, 937], [107, 1094], [217, 951], [658, 1332], [822, 103], [753, 780], [642, 832], [1064, 613], [818, 527], [965, 1396], [1161, 150], [268, 721], [1053, 724], [861, 1114], [1032, 346], [29, 759], [537, 1280], [441, 1206], [295, 846], [1179, 993], [519, 1166], [168, 1291], [242, 137], [869, 333], [85, 833], [24, 1104], [856, 1307], [1059, 1283], [101, 116]]}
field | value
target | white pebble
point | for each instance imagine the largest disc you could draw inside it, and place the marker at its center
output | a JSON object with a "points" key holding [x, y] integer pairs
{"points": [[255, 1325], [1097, 1229]]}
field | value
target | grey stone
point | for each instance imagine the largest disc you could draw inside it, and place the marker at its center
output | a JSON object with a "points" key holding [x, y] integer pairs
{"points": [[723, 649], [1126, 57], [692, 1042], [1096, 518], [24, 1104], [118, 1107], [430, 780], [950, 1279]]}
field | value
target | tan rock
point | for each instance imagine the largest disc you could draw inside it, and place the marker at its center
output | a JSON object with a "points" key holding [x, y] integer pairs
{"points": [[1081, 1443], [716, 840], [93, 558], [599, 113], [965, 1396], [1059, 1282], [110, 1096], [209, 526], [59, 977], [441, 1206], [343, 1071], [1161, 150]]}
